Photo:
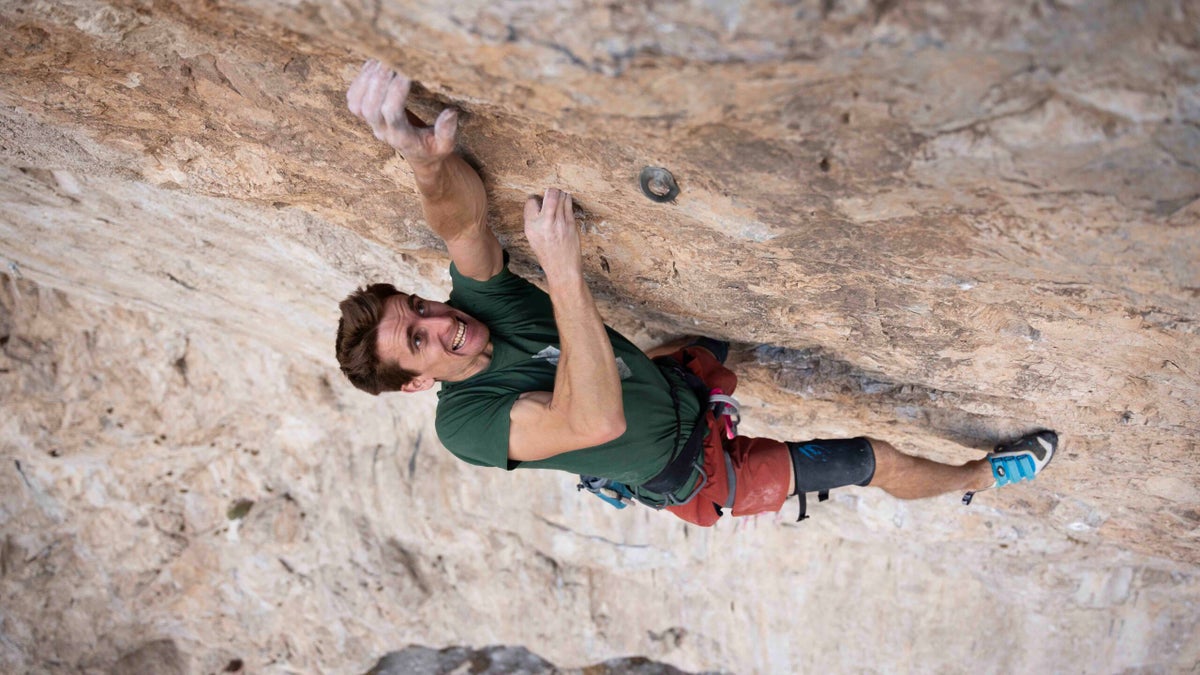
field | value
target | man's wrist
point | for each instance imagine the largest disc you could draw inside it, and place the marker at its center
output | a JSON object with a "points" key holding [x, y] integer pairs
{"points": [[425, 166], [431, 176], [565, 277]]}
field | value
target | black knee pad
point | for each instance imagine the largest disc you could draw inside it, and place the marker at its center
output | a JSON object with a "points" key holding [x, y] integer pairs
{"points": [[823, 464]]}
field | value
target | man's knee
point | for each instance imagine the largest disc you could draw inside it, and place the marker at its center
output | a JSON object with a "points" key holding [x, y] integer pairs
{"points": [[888, 460], [823, 464]]}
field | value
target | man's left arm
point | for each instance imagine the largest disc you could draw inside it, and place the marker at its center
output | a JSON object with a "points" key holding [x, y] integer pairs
{"points": [[586, 407]]}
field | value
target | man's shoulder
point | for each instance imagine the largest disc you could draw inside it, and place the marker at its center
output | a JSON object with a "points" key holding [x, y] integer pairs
{"points": [[505, 300], [503, 280], [472, 421]]}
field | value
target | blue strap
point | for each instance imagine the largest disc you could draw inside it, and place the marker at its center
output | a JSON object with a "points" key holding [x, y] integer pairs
{"points": [[1012, 469], [614, 493]]}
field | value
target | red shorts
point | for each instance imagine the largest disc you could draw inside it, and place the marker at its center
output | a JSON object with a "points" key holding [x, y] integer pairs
{"points": [[762, 467]]}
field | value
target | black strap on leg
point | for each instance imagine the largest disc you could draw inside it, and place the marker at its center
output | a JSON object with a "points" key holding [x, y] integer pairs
{"points": [[799, 493], [821, 496], [821, 465]]}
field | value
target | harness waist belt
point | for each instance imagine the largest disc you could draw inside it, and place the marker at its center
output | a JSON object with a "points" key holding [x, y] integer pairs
{"points": [[689, 459], [681, 468]]}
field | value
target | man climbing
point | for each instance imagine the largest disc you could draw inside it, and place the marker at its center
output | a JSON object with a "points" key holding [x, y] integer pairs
{"points": [[531, 379]]}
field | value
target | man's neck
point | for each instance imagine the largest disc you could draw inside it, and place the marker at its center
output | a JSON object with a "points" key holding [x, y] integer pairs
{"points": [[478, 365]]}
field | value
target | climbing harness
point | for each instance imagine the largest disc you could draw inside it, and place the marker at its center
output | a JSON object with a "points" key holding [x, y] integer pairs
{"points": [[660, 491]]}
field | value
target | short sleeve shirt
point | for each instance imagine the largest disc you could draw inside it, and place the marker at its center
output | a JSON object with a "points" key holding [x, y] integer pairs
{"points": [[473, 415]]}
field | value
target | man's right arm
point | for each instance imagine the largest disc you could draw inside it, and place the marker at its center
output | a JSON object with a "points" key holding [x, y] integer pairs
{"points": [[452, 193]]}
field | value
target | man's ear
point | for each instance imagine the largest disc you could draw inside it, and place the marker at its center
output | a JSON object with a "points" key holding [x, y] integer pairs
{"points": [[418, 383]]}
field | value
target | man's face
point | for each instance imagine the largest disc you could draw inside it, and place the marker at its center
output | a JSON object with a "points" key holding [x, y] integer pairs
{"points": [[432, 339]]}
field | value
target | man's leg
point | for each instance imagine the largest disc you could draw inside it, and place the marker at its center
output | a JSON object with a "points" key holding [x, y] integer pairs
{"points": [[765, 473], [824, 464], [821, 465], [909, 477]]}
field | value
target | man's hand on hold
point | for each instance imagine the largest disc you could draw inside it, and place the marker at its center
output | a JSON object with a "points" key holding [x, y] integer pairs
{"points": [[452, 194], [378, 96], [552, 233], [585, 408]]}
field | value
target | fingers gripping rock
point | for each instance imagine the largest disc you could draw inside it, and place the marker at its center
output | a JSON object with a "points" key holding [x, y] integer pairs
{"points": [[552, 233], [392, 108], [379, 96], [445, 128]]}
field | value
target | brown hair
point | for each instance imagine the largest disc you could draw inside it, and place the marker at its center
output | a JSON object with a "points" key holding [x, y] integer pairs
{"points": [[357, 334]]}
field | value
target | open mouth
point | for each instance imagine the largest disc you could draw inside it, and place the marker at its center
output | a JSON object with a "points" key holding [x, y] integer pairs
{"points": [[460, 338]]}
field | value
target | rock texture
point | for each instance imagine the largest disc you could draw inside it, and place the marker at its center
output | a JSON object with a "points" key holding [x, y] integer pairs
{"points": [[937, 222], [418, 660]]}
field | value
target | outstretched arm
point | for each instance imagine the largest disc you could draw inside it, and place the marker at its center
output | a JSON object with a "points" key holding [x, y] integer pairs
{"points": [[585, 408], [452, 194]]}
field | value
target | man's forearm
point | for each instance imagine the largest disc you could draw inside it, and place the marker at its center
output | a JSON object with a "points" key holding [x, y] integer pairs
{"points": [[452, 197], [587, 387]]}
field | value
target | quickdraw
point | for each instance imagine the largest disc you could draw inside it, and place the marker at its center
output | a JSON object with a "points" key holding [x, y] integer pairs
{"points": [[615, 494]]}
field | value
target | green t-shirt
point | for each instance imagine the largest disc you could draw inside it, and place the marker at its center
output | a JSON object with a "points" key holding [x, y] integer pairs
{"points": [[473, 415]]}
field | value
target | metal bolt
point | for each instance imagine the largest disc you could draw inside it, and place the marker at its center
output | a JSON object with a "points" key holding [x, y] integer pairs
{"points": [[658, 184]]}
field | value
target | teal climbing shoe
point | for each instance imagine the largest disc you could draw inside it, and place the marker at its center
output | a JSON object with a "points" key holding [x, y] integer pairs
{"points": [[1020, 460]]}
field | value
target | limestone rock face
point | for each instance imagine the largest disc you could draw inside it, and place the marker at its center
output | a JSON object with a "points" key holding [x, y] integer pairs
{"points": [[941, 223]]}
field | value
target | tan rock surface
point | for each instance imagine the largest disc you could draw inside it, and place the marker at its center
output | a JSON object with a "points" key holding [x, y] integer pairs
{"points": [[945, 222]]}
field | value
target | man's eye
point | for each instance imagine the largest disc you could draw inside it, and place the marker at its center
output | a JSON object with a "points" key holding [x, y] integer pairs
{"points": [[417, 341], [421, 307]]}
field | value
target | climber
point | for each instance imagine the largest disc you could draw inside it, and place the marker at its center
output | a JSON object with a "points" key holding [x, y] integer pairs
{"points": [[533, 379]]}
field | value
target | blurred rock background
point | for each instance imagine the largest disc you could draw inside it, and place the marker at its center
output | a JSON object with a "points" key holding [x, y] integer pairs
{"points": [[941, 223]]}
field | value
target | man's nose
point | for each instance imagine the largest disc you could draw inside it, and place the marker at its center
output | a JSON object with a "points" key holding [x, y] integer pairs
{"points": [[437, 324]]}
